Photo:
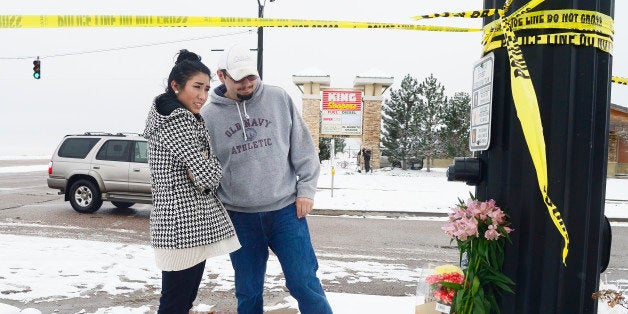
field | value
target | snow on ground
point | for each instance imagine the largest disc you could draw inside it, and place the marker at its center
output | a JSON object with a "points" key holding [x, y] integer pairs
{"points": [[38, 269], [417, 191], [34, 268], [18, 169], [25, 157]]}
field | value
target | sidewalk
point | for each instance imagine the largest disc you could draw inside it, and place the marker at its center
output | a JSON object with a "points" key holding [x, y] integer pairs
{"points": [[416, 193]]}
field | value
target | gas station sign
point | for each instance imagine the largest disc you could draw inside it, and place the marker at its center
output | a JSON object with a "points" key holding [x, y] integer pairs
{"points": [[341, 113]]}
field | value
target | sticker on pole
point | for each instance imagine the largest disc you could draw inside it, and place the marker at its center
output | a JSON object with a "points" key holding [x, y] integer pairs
{"points": [[481, 103]]}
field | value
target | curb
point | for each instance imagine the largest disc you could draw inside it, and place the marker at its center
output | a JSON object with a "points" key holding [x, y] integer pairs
{"points": [[364, 213], [397, 214]]}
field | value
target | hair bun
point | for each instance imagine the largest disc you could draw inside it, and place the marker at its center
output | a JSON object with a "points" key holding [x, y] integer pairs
{"points": [[184, 54]]}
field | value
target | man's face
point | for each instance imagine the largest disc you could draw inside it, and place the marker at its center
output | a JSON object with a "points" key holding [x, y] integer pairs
{"points": [[238, 90]]}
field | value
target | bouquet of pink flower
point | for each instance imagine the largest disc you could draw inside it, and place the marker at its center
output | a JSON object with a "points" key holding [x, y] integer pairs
{"points": [[467, 220], [444, 282], [480, 229]]}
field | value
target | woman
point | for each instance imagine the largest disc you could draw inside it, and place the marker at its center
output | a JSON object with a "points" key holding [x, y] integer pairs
{"points": [[188, 223]]}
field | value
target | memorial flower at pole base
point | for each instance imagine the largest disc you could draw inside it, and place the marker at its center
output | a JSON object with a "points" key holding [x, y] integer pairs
{"points": [[480, 229], [444, 283]]}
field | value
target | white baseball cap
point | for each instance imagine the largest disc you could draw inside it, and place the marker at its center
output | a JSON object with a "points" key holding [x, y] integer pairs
{"points": [[238, 62]]}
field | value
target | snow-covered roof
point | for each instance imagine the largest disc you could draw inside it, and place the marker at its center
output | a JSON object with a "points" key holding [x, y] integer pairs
{"points": [[311, 75], [373, 76], [374, 73], [311, 71]]}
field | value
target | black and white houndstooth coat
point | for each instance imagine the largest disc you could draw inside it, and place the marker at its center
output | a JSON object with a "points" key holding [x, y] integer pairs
{"points": [[186, 212]]}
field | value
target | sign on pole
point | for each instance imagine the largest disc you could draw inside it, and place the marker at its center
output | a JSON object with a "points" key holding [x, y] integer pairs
{"points": [[341, 113], [481, 103]]}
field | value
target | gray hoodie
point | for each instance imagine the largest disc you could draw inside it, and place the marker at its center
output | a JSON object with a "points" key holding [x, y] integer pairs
{"points": [[266, 167]]}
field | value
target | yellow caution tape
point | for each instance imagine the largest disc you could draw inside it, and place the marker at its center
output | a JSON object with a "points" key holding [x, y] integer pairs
{"points": [[601, 42], [528, 113], [79, 21], [596, 29], [565, 19], [619, 80], [582, 20], [465, 14]]}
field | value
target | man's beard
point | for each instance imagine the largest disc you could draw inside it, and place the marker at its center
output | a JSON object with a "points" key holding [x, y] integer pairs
{"points": [[244, 97]]}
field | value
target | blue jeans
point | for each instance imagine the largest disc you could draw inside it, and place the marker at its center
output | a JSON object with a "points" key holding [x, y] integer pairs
{"points": [[179, 288], [289, 238]]}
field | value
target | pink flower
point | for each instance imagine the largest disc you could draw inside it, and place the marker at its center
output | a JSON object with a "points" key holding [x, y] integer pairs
{"points": [[465, 220], [497, 216], [432, 279], [444, 295], [453, 277], [491, 233]]}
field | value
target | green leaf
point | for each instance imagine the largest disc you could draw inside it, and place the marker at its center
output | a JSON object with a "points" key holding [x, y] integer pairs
{"points": [[475, 286], [503, 286], [479, 305], [451, 285], [472, 196]]}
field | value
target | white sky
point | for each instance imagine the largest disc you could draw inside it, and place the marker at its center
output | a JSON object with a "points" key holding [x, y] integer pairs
{"points": [[64, 268], [111, 91]]}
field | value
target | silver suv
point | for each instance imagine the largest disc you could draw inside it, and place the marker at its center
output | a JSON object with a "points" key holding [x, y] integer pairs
{"points": [[94, 167]]}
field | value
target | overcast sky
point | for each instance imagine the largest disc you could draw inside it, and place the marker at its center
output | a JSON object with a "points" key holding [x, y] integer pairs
{"points": [[82, 90]]}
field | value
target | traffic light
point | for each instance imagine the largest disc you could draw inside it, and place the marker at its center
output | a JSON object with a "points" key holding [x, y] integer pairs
{"points": [[37, 69]]}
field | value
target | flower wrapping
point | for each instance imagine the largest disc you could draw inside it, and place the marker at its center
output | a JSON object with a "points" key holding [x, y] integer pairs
{"points": [[444, 283]]}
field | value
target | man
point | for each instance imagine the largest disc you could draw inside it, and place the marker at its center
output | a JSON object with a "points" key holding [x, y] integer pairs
{"points": [[366, 152], [270, 171]]}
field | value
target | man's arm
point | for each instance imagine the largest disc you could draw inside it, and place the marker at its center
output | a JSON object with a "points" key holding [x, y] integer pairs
{"points": [[304, 159]]}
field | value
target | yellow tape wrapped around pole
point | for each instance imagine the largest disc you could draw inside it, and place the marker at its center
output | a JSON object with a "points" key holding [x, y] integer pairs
{"points": [[529, 115], [571, 19], [601, 42]]}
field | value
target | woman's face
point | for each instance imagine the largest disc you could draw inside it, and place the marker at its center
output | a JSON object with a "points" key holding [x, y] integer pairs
{"points": [[194, 94]]}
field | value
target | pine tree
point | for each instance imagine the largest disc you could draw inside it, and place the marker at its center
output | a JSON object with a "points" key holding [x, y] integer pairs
{"points": [[324, 145], [398, 117], [429, 121], [455, 134]]}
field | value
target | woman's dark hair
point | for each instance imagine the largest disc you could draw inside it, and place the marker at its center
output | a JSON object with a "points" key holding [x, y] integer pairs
{"points": [[187, 65]]}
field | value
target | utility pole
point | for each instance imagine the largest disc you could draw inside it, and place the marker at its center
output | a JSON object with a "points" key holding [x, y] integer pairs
{"points": [[260, 38], [572, 86]]}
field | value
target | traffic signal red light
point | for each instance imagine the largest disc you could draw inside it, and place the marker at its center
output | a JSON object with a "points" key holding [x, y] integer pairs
{"points": [[37, 69]]}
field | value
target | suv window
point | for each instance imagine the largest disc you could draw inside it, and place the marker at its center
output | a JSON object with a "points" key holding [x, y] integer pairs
{"points": [[77, 147], [140, 152], [114, 150]]}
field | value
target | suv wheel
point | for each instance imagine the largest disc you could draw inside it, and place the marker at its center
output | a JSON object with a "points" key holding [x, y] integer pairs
{"points": [[85, 197], [122, 204]]}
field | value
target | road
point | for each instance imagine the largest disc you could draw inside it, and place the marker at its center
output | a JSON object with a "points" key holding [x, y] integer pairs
{"points": [[28, 207]]}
